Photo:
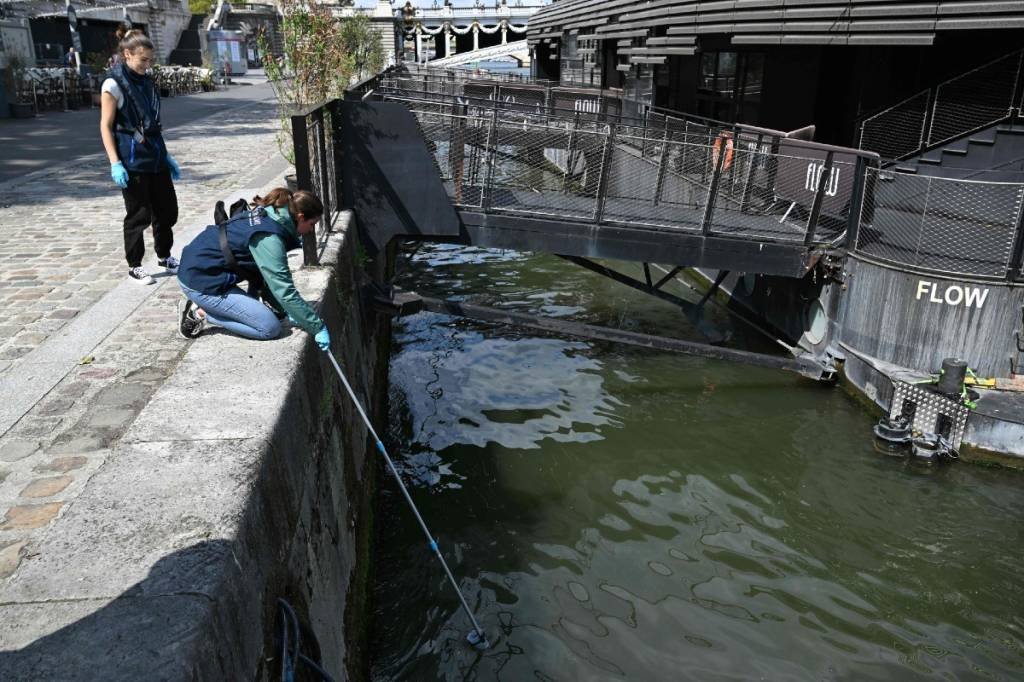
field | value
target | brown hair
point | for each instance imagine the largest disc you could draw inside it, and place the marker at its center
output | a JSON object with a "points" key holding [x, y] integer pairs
{"points": [[302, 202], [132, 40]]}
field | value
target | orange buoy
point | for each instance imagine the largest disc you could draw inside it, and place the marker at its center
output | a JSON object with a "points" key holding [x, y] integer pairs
{"points": [[724, 139]]}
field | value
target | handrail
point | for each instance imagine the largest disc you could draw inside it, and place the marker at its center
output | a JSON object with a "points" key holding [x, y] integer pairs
{"points": [[907, 117]]}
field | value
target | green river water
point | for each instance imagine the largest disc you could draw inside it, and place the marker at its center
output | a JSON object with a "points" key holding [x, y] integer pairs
{"points": [[614, 513]]}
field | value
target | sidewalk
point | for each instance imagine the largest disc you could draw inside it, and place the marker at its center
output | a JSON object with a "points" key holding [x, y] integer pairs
{"points": [[82, 348]]}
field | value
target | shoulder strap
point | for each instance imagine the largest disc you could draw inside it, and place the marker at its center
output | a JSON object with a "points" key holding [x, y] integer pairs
{"points": [[225, 249], [132, 96]]}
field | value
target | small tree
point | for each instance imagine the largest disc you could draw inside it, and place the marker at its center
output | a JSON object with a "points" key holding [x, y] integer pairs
{"points": [[321, 55], [201, 6]]}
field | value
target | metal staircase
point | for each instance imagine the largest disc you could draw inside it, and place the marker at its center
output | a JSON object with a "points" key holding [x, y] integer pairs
{"points": [[995, 154], [960, 128]]}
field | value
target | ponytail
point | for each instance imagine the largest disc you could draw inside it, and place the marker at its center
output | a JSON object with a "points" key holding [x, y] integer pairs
{"points": [[298, 202], [131, 40]]}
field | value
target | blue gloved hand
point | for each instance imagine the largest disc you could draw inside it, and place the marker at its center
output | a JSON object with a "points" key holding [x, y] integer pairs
{"points": [[323, 339], [119, 175], [175, 168]]}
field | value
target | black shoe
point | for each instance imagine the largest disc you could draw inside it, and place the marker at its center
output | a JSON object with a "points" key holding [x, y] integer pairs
{"points": [[190, 325], [170, 264]]}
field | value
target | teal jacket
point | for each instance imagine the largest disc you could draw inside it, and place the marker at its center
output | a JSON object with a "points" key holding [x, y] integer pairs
{"points": [[268, 250]]}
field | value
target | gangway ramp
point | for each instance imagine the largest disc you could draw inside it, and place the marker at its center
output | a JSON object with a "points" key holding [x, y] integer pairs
{"points": [[534, 166]]}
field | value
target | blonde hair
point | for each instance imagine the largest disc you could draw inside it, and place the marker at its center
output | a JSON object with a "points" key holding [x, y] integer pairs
{"points": [[306, 203], [131, 40]]}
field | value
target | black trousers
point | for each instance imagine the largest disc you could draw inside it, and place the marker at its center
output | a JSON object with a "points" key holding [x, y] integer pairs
{"points": [[149, 199]]}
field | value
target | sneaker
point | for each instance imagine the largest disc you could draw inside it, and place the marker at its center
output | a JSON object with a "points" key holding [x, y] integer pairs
{"points": [[139, 274], [170, 264], [190, 325]]}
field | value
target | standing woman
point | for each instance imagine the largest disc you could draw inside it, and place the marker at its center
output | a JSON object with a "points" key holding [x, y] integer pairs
{"points": [[139, 162]]}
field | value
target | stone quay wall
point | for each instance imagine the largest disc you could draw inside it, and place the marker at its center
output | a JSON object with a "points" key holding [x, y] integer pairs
{"points": [[247, 477]]}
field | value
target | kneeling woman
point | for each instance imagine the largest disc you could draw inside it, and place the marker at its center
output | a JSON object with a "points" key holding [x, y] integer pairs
{"points": [[252, 246]]}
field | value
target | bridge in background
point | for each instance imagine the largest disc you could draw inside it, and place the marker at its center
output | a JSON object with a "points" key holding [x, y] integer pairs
{"points": [[518, 50], [445, 32]]}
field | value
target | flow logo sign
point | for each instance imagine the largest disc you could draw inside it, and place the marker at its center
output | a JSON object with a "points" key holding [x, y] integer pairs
{"points": [[812, 180], [954, 294]]}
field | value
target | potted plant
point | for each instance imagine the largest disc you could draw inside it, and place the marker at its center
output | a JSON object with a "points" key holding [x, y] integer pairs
{"points": [[19, 96], [160, 78]]}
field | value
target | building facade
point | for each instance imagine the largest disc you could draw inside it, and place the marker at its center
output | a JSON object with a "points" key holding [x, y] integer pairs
{"points": [[772, 63]]}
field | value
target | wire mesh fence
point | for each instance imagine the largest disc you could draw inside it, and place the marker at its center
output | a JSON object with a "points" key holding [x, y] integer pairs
{"points": [[975, 99], [898, 131], [679, 176], [941, 225]]}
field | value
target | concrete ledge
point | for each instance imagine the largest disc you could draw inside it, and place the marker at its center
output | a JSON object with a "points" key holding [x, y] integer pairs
{"points": [[246, 478]]}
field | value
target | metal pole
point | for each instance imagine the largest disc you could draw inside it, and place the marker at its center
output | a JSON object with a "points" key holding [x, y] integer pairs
{"points": [[337, 139], [857, 197], [408, 498], [709, 206], [321, 161], [569, 152], [304, 180], [602, 186], [1017, 255], [662, 166], [492, 150]]}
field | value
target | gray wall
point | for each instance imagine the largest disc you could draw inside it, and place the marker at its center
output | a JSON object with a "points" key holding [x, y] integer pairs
{"points": [[882, 315]]}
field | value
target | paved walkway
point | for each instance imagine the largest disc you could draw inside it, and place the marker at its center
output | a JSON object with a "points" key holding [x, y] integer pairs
{"points": [[82, 348]]}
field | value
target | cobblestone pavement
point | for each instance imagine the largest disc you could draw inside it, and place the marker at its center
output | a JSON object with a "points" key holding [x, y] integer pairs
{"points": [[61, 250], [61, 242]]}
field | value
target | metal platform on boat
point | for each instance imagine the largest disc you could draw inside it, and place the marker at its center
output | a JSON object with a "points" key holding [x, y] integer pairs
{"points": [[539, 168]]}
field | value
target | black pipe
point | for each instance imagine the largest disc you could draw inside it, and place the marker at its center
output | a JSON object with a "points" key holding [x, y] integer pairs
{"points": [[803, 366]]}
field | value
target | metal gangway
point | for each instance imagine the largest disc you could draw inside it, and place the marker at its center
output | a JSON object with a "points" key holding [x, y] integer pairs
{"points": [[504, 161], [529, 152]]}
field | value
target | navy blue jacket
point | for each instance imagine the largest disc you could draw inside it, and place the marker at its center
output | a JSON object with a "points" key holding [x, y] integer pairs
{"points": [[140, 142], [203, 267]]}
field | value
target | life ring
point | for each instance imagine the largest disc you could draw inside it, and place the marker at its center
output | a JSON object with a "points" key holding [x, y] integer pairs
{"points": [[723, 139]]}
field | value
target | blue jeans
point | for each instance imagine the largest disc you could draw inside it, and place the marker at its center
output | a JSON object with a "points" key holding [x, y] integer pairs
{"points": [[237, 312]]}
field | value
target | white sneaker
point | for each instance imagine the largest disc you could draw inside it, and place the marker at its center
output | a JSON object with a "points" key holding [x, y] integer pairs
{"points": [[170, 264], [139, 274]]}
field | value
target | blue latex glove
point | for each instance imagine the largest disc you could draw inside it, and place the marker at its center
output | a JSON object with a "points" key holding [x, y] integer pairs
{"points": [[119, 175], [323, 339], [175, 168]]}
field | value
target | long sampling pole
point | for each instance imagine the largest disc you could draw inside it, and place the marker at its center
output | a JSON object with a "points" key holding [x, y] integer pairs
{"points": [[476, 638]]}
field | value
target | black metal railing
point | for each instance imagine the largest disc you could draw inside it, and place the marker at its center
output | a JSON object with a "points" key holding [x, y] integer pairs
{"points": [[956, 107], [316, 137], [508, 157], [541, 149]]}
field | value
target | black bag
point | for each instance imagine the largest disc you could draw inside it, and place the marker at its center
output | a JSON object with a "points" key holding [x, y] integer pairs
{"points": [[221, 218]]}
